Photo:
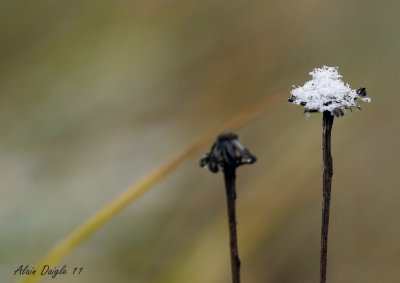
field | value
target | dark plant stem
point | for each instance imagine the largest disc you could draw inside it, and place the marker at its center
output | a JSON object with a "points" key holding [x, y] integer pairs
{"points": [[327, 183], [230, 177]]}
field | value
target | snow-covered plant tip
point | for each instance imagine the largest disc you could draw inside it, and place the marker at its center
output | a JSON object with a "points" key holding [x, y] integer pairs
{"points": [[327, 92]]}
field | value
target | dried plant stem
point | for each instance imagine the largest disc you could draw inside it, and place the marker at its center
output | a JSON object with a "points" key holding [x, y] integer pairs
{"points": [[114, 206], [230, 178], [327, 183]]}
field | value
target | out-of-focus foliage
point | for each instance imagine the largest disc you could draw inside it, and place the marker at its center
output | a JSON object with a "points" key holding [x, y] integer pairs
{"points": [[93, 94]]}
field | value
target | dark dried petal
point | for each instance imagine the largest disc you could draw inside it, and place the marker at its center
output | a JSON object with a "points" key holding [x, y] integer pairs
{"points": [[247, 157], [213, 166], [362, 91], [227, 151], [338, 112], [204, 161], [227, 159]]}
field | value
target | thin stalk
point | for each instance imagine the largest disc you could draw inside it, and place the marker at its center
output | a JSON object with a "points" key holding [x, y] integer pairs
{"points": [[327, 183], [230, 180], [66, 245]]}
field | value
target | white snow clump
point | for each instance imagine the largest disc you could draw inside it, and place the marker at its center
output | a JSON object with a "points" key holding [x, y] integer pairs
{"points": [[327, 92]]}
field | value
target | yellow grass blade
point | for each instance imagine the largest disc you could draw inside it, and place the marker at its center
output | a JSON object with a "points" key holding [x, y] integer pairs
{"points": [[83, 231]]}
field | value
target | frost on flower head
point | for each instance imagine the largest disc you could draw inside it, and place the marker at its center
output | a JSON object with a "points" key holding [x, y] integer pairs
{"points": [[327, 92]]}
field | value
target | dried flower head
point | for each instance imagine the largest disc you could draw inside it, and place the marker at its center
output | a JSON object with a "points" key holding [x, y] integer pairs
{"points": [[327, 92], [227, 151]]}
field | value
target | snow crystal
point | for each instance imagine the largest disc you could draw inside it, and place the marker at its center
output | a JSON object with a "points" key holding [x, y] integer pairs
{"points": [[327, 92]]}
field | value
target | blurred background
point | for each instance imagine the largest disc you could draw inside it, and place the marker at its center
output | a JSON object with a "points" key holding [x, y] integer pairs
{"points": [[94, 94]]}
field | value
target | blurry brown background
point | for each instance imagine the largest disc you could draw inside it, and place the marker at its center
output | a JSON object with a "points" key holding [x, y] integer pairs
{"points": [[93, 94]]}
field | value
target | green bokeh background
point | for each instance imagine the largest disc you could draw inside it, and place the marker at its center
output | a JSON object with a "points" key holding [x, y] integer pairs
{"points": [[93, 94]]}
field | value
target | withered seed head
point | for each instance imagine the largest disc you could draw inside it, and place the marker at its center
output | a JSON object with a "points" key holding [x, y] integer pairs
{"points": [[227, 151]]}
